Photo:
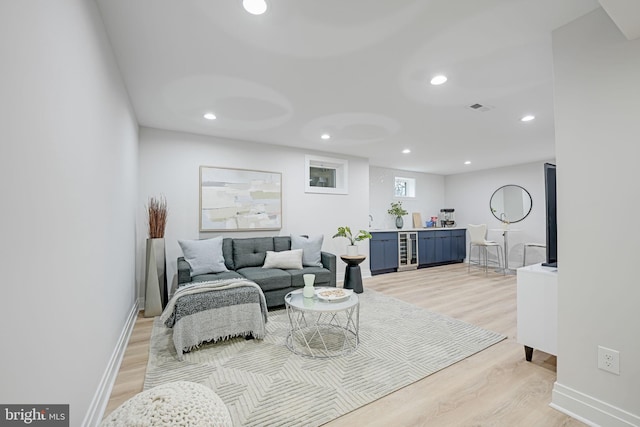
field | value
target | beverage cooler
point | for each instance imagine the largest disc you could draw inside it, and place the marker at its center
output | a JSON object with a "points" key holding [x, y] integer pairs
{"points": [[407, 250]]}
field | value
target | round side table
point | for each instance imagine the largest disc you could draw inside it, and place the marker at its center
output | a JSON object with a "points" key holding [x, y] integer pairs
{"points": [[352, 275]]}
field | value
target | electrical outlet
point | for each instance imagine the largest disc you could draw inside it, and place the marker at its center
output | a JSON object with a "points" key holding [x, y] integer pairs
{"points": [[609, 360]]}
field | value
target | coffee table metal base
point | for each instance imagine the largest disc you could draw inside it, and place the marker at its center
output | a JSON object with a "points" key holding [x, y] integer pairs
{"points": [[323, 334]]}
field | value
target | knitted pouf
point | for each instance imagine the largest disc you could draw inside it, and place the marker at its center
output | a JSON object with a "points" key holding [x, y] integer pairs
{"points": [[180, 403]]}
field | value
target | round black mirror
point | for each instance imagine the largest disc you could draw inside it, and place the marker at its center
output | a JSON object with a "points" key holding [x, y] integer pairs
{"points": [[510, 203]]}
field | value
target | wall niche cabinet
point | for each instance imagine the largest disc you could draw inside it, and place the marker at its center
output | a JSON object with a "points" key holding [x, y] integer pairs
{"points": [[434, 247]]}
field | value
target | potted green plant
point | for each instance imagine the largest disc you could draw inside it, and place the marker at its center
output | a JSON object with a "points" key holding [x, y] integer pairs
{"points": [[352, 248], [398, 211]]}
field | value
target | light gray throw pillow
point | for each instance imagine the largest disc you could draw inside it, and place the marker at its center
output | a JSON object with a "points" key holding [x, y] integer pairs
{"points": [[286, 260], [311, 247], [204, 256]]}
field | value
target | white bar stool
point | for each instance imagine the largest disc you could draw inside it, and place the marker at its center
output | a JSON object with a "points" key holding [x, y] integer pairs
{"points": [[530, 245], [477, 235]]}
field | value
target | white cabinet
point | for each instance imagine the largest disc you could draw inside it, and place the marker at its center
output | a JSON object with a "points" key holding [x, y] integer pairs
{"points": [[537, 305]]}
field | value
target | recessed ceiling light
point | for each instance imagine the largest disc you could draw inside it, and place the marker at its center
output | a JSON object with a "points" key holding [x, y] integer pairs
{"points": [[406, 151], [255, 7], [467, 162], [438, 80], [527, 118], [325, 136], [210, 116]]}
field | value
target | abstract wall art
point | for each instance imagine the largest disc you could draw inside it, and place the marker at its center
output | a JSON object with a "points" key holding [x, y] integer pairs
{"points": [[240, 199]]}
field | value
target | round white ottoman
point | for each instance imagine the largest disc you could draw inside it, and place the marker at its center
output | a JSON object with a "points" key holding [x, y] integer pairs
{"points": [[180, 403]]}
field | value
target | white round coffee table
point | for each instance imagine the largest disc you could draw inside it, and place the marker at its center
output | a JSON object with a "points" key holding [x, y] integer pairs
{"points": [[322, 329]]}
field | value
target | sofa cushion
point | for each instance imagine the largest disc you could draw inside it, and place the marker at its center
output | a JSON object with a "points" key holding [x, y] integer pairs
{"points": [[251, 252], [311, 247], [323, 276], [284, 260], [204, 256], [227, 253], [281, 243], [267, 278]]}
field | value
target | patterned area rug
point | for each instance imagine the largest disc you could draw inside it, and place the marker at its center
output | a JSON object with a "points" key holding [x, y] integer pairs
{"points": [[263, 383]]}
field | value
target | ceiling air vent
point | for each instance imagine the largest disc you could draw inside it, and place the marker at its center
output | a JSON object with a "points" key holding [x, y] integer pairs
{"points": [[480, 107]]}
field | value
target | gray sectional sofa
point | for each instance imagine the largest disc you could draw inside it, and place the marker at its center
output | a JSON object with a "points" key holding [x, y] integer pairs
{"points": [[244, 258]]}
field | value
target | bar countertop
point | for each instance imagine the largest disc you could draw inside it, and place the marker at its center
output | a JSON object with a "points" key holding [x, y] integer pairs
{"points": [[405, 230]]}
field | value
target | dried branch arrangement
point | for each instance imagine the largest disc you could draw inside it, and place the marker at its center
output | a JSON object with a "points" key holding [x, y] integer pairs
{"points": [[157, 213]]}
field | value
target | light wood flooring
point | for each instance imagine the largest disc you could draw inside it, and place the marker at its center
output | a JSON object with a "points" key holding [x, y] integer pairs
{"points": [[495, 387]]}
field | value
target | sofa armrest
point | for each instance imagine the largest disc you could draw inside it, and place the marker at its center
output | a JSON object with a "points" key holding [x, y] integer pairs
{"points": [[184, 271], [329, 262]]}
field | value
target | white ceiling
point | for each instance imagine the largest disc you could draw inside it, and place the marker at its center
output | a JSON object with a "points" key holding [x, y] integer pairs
{"points": [[626, 15], [357, 69]]}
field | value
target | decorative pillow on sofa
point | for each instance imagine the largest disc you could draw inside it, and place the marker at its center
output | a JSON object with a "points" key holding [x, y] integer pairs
{"points": [[204, 256], [311, 247], [286, 260]]}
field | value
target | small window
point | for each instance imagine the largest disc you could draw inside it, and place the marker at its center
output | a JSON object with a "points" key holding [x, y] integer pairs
{"points": [[326, 175], [322, 177], [405, 187]]}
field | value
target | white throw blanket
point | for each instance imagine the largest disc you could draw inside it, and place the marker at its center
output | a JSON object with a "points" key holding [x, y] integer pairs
{"points": [[197, 287], [216, 322]]}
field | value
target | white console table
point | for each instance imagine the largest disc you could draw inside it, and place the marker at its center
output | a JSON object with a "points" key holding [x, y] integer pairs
{"points": [[537, 305]]}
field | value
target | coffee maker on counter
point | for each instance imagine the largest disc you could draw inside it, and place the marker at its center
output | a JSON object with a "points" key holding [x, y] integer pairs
{"points": [[447, 217]]}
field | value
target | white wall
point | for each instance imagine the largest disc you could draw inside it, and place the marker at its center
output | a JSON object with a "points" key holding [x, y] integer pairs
{"points": [[428, 201], [68, 170], [470, 193], [597, 99], [169, 165]]}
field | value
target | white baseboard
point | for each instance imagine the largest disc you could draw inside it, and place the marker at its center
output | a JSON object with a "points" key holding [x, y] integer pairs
{"points": [[100, 399], [589, 410]]}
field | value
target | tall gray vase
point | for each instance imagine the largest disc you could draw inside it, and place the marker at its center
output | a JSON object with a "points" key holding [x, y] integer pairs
{"points": [[156, 295], [399, 222]]}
